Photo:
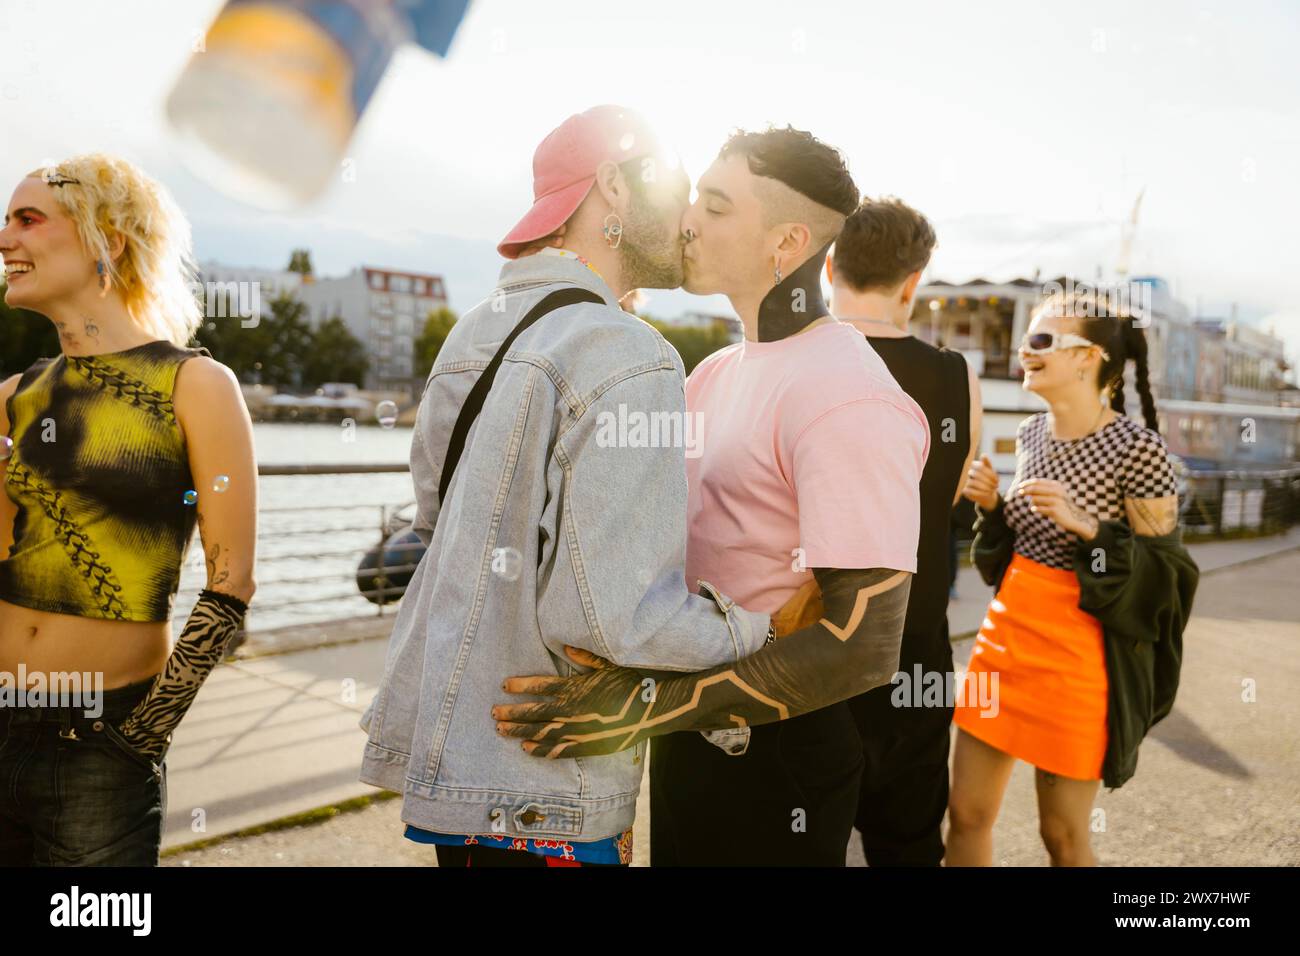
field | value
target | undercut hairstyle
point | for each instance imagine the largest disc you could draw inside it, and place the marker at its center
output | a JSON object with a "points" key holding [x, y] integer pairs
{"points": [[881, 244], [798, 160]]}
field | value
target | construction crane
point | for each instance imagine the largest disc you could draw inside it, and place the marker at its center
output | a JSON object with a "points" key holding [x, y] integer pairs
{"points": [[1127, 230]]}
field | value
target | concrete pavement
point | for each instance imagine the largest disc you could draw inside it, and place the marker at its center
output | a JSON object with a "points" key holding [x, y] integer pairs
{"points": [[277, 735]]}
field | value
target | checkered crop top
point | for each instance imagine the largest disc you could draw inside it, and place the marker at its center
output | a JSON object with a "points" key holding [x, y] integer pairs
{"points": [[1121, 460], [99, 473]]}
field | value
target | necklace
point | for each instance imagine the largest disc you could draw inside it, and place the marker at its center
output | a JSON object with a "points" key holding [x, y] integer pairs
{"points": [[876, 321], [1057, 446]]}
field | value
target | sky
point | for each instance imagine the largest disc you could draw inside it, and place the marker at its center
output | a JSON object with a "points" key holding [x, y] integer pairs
{"points": [[1024, 130]]}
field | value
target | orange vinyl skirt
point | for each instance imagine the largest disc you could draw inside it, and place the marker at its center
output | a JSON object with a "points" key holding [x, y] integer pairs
{"points": [[1048, 656]]}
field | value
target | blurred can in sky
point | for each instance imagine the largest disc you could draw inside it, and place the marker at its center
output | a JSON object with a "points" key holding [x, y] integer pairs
{"points": [[266, 106]]}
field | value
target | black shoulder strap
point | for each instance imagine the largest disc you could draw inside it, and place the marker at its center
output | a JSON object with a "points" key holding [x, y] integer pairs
{"points": [[478, 394]]}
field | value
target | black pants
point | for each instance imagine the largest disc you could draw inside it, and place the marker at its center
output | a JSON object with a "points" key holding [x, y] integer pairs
{"points": [[789, 800], [73, 792], [904, 791]]}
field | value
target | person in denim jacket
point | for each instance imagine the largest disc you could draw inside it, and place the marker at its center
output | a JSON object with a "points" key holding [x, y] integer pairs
{"points": [[564, 523]]}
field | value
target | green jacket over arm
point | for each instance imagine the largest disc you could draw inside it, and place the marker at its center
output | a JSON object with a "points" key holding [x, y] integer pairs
{"points": [[1140, 588]]}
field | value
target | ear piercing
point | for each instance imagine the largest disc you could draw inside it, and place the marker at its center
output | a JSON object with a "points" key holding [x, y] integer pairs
{"points": [[613, 230]]}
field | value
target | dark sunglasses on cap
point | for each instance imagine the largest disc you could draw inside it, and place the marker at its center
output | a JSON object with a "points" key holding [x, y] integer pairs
{"points": [[1044, 343]]}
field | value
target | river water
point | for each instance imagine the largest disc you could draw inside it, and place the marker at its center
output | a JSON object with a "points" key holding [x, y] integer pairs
{"points": [[313, 526]]}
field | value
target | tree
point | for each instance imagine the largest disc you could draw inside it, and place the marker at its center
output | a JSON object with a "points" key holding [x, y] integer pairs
{"points": [[224, 335], [429, 342], [24, 337], [300, 262], [336, 355], [693, 344], [271, 352], [290, 342]]}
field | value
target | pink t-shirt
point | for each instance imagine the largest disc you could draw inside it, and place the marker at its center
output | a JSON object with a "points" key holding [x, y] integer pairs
{"points": [[805, 443]]}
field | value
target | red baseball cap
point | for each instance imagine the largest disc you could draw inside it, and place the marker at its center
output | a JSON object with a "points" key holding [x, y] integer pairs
{"points": [[564, 168]]}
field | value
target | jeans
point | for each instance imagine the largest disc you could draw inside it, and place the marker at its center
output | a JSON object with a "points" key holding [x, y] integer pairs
{"points": [[73, 792]]}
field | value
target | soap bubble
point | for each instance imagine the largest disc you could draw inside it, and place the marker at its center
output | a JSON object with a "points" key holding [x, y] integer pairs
{"points": [[221, 483], [190, 497], [386, 412], [6, 447]]}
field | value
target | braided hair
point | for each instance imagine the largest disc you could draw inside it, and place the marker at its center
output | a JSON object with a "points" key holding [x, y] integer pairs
{"points": [[1104, 320]]}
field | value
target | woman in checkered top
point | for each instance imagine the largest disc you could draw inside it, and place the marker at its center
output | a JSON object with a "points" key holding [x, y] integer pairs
{"points": [[1038, 662]]}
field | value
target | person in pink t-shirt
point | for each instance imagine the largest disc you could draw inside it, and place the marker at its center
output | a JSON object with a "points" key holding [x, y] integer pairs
{"points": [[809, 468]]}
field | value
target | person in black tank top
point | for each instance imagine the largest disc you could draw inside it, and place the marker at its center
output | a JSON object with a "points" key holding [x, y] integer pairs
{"points": [[875, 271]]}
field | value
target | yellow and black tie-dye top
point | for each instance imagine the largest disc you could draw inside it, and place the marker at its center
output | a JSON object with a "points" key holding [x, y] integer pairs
{"points": [[100, 475]]}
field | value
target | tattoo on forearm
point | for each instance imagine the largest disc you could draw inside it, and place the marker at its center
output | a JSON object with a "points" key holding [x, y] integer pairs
{"points": [[215, 576], [1160, 515], [851, 650], [1089, 521]]}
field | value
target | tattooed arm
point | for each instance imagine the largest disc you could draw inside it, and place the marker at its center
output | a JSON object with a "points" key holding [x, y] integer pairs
{"points": [[1152, 516], [219, 440], [1149, 486], [854, 648], [1052, 499]]}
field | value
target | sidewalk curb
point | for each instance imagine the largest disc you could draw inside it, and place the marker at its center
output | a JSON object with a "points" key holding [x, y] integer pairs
{"points": [[312, 817]]}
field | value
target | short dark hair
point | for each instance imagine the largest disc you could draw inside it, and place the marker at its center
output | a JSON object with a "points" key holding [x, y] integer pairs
{"points": [[882, 243], [801, 161]]}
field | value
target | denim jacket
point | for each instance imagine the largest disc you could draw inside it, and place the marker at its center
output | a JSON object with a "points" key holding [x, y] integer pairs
{"points": [[560, 526]]}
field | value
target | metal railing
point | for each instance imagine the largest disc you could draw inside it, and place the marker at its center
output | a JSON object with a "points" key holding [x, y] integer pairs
{"points": [[378, 583], [1233, 502], [1215, 504], [375, 584]]}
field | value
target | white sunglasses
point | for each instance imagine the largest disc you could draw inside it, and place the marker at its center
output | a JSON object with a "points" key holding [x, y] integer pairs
{"points": [[1045, 343]]}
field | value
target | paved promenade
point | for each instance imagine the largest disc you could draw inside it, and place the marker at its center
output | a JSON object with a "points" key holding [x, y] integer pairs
{"points": [[276, 735]]}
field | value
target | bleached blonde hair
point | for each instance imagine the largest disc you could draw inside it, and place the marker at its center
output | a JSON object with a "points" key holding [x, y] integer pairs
{"points": [[106, 196]]}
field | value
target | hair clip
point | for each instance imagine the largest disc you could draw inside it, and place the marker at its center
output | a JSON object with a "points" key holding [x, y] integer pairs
{"points": [[53, 177]]}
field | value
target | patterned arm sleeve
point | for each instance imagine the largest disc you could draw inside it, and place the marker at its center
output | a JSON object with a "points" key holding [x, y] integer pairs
{"points": [[216, 618]]}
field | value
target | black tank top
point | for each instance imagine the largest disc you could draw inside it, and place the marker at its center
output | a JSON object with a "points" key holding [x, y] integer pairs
{"points": [[937, 381]]}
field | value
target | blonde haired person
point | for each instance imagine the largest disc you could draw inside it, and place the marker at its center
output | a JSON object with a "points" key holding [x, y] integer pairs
{"points": [[1082, 643], [113, 451]]}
